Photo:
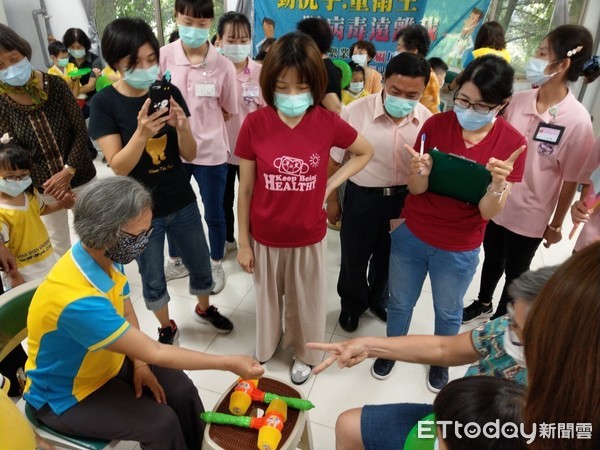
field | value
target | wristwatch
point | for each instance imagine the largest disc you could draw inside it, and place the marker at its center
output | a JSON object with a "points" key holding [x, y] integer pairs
{"points": [[555, 229], [71, 170]]}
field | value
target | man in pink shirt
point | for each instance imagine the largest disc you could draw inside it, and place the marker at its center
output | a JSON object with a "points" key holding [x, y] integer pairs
{"points": [[375, 195], [207, 81]]}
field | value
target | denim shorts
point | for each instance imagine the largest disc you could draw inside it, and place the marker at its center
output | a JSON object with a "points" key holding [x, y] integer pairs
{"points": [[184, 227], [385, 427]]}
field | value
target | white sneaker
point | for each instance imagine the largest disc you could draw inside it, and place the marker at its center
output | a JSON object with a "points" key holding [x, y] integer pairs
{"points": [[175, 269], [218, 276], [300, 372], [230, 247]]}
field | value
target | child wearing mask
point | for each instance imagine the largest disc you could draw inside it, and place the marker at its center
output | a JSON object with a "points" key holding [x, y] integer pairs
{"points": [[62, 66], [22, 231], [356, 88]]}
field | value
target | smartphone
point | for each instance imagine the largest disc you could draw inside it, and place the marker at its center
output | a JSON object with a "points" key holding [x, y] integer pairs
{"points": [[159, 93]]}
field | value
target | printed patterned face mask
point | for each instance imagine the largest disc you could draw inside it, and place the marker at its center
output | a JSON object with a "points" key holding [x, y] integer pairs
{"points": [[128, 247]]}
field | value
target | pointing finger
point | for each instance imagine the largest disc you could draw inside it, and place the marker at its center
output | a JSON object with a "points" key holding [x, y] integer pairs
{"points": [[516, 154]]}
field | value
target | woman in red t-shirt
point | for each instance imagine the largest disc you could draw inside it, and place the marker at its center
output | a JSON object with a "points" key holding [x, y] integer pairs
{"points": [[284, 152], [441, 235]]}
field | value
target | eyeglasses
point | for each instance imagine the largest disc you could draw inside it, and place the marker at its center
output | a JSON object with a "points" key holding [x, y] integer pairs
{"points": [[477, 107], [15, 178], [143, 234], [510, 309]]}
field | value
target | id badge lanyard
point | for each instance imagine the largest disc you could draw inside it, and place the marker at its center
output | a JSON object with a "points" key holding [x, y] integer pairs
{"points": [[206, 87], [548, 134]]}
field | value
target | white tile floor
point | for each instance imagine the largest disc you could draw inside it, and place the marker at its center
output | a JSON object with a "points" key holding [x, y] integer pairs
{"points": [[334, 390]]}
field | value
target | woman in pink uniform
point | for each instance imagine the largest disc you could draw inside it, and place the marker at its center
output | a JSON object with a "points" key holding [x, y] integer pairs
{"points": [[583, 211], [559, 139], [235, 36]]}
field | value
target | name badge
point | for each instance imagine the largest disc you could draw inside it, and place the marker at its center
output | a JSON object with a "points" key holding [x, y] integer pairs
{"points": [[207, 89], [548, 133], [250, 92]]}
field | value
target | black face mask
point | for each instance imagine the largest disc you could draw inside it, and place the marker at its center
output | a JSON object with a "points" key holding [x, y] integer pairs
{"points": [[128, 247]]}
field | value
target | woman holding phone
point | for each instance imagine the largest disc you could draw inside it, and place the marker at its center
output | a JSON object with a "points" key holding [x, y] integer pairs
{"points": [[148, 148]]}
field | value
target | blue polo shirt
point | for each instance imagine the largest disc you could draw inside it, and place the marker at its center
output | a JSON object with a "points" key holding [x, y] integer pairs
{"points": [[75, 313]]}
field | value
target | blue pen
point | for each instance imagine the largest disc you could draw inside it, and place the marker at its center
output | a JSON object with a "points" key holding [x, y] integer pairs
{"points": [[422, 144]]}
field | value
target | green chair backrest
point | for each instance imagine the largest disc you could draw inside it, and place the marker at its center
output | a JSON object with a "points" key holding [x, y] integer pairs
{"points": [[413, 442], [14, 305]]}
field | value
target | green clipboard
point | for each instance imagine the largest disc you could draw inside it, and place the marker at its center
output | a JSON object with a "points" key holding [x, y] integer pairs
{"points": [[458, 178]]}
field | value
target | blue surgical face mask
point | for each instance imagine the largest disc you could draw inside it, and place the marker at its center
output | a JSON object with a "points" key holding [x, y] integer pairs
{"points": [[219, 50], [141, 78], [293, 105], [77, 53], [14, 188], [193, 37], [356, 87], [534, 71], [398, 107], [18, 74], [63, 62], [236, 53], [472, 120]]}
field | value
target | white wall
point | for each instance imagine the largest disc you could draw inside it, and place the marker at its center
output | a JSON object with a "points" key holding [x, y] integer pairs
{"points": [[2, 13], [65, 14]]}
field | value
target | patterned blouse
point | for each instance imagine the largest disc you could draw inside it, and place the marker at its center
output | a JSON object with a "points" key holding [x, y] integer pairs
{"points": [[53, 133]]}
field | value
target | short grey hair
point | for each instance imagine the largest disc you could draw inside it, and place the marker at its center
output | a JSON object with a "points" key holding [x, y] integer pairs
{"points": [[104, 206], [529, 284]]}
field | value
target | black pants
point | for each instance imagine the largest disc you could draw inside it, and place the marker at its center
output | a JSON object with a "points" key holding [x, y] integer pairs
{"points": [[365, 241], [505, 252], [233, 171], [113, 412]]}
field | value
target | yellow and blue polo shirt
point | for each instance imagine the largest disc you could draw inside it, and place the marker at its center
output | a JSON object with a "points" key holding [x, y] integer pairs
{"points": [[75, 313]]}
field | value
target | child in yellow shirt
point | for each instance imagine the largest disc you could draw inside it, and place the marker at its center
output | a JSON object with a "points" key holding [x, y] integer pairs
{"points": [[62, 66], [356, 88], [22, 231]]}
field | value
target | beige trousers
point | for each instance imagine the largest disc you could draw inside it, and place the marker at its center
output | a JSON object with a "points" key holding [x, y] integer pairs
{"points": [[291, 290]]}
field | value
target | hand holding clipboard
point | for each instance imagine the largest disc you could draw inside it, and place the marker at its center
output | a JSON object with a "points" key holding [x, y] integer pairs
{"points": [[460, 178]]}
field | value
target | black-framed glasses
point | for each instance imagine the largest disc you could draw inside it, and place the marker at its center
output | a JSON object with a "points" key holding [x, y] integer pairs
{"points": [[477, 107], [15, 178], [510, 309], [143, 234]]}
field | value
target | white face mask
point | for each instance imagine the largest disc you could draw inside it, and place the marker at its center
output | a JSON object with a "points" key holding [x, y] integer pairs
{"points": [[361, 60], [356, 87], [236, 53], [516, 352], [534, 71]]}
